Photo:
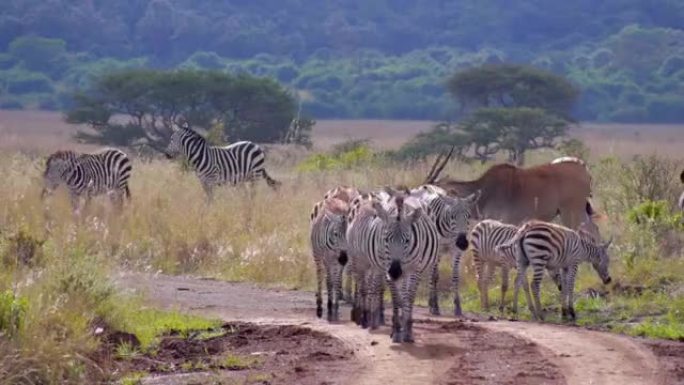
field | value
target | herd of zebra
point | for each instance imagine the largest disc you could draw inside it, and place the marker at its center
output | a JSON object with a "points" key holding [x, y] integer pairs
{"points": [[394, 236], [108, 171]]}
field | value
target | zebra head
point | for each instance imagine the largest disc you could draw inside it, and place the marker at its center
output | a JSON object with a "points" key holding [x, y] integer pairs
{"points": [[598, 255], [399, 237], [175, 146], [335, 213], [458, 212], [57, 168]]}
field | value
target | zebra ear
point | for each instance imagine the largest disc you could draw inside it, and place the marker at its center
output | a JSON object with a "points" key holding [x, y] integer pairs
{"points": [[382, 213]]}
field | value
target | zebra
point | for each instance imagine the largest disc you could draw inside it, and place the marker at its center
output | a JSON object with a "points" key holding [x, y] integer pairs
{"points": [[104, 172], [485, 237], [232, 164], [363, 221], [547, 245], [346, 194], [406, 245], [329, 249], [451, 216]]}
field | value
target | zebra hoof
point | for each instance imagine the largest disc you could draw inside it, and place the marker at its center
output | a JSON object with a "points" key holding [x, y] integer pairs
{"points": [[397, 338], [434, 311], [319, 312]]}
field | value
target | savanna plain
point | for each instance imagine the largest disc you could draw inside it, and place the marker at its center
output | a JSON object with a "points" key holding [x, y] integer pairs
{"points": [[66, 317]]}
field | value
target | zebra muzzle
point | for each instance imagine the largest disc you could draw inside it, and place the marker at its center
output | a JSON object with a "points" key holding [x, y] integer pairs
{"points": [[394, 272], [343, 258], [462, 241]]}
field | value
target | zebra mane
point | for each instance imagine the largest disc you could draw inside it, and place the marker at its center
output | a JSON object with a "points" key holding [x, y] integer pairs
{"points": [[400, 206], [62, 154]]}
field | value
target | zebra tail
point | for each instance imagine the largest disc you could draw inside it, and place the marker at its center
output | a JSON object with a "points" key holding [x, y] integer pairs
{"points": [[271, 182], [127, 192], [394, 271]]}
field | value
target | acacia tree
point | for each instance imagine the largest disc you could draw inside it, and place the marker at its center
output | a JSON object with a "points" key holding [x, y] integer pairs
{"points": [[513, 108], [514, 130], [140, 107], [513, 86]]}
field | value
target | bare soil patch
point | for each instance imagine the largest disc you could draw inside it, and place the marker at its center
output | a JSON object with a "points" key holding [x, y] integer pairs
{"points": [[498, 358], [670, 357], [248, 353]]}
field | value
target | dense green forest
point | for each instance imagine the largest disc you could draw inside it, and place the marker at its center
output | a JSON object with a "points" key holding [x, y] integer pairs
{"points": [[356, 58]]}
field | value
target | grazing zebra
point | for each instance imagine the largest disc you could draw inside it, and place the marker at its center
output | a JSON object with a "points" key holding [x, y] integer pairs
{"points": [[485, 237], [329, 249], [450, 216], [105, 172], [215, 166], [547, 245], [363, 227], [406, 245]]}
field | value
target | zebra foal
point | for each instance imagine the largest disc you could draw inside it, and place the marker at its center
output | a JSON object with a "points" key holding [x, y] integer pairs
{"points": [[450, 216], [88, 175], [329, 250], [215, 166], [547, 245], [485, 239]]}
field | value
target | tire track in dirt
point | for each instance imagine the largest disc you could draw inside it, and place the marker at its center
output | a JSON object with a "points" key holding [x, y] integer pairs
{"points": [[589, 357], [445, 352]]}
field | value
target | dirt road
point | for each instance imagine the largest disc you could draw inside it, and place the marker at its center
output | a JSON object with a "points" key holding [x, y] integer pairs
{"points": [[446, 351]]}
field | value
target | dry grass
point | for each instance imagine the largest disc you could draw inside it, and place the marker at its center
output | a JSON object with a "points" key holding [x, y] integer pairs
{"points": [[262, 236]]}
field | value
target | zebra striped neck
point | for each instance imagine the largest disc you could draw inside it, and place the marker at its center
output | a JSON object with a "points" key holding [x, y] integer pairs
{"points": [[195, 148]]}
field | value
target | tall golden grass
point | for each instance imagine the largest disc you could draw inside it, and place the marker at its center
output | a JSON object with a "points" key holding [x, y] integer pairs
{"points": [[253, 233]]}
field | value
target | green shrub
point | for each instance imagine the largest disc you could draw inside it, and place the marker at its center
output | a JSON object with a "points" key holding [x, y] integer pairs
{"points": [[345, 158], [12, 311]]}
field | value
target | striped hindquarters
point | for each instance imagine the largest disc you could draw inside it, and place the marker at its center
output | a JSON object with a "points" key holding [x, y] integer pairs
{"points": [[238, 162]]}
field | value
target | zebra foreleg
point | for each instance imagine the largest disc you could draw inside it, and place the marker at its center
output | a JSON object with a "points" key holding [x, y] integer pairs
{"points": [[348, 285], [330, 291], [455, 282], [409, 296], [397, 332], [382, 302], [504, 287], [319, 286], [433, 301]]}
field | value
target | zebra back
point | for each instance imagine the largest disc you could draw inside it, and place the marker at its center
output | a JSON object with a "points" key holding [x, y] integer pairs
{"points": [[235, 163], [490, 240]]}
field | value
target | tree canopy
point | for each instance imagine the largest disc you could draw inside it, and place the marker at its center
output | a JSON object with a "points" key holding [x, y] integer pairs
{"points": [[512, 108], [510, 85], [152, 101]]}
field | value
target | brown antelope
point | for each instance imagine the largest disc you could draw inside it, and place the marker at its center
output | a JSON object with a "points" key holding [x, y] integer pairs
{"points": [[513, 195]]}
